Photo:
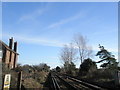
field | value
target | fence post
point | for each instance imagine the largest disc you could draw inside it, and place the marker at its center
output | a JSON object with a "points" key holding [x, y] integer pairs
{"points": [[19, 81], [117, 77]]}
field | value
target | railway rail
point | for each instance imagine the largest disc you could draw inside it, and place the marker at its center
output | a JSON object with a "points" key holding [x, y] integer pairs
{"points": [[72, 83], [55, 83]]}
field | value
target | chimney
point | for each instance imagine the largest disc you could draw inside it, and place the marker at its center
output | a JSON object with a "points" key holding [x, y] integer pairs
{"points": [[15, 46], [11, 42]]}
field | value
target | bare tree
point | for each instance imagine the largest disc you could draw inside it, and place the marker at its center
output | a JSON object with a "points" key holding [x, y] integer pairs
{"points": [[68, 53], [89, 52], [84, 50], [68, 56]]}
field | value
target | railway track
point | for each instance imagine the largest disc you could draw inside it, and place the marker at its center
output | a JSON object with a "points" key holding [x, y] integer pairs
{"points": [[55, 83], [71, 83], [59, 83]]}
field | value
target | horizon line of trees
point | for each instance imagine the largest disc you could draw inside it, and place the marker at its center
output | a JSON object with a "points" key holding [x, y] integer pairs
{"points": [[80, 50]]}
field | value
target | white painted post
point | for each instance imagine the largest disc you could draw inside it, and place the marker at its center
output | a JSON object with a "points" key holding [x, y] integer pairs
{"points": [[7, 82]]}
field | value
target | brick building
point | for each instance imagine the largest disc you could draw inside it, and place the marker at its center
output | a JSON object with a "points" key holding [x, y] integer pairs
{"points": [[9, 55]]}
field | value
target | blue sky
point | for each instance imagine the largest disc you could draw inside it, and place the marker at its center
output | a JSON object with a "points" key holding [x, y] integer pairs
{"points": [[41, 29]]}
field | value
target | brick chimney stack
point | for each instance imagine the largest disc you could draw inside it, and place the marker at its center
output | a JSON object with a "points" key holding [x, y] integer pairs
{"points": [[15, 46], [11, 42]]}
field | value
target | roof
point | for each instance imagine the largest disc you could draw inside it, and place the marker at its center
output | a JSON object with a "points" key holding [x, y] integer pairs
{"points": [[7, 47]]}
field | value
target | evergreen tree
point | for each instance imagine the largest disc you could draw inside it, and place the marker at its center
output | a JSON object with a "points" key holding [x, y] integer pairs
{"points": [[58, 69], [87, 66], [106, 57], [69, 68]]}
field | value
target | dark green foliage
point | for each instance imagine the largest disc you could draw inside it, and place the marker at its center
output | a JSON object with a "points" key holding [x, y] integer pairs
{"points": [[58, 69], [70, 68], [87, 66], [106, 57], [46, 68], [27, 68], [18, 68], [41, 66], [118, 68]]}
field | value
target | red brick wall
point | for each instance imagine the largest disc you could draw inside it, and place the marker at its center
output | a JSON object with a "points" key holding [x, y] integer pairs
{"points": [[7, 57], [16, 59], [12, 60]]}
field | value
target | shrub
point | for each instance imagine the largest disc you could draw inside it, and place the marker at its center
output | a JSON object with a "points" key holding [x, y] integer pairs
{"points": [[31, 83], [87, 66]]}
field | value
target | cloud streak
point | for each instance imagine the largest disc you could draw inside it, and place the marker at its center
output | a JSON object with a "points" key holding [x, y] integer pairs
{"points": [[34, 14], [46, 41], [67, 20], [35, 40], [31, 16]]}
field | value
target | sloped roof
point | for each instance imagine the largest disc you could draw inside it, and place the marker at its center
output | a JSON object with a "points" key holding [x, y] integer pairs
{"points": [[7, 47]]}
